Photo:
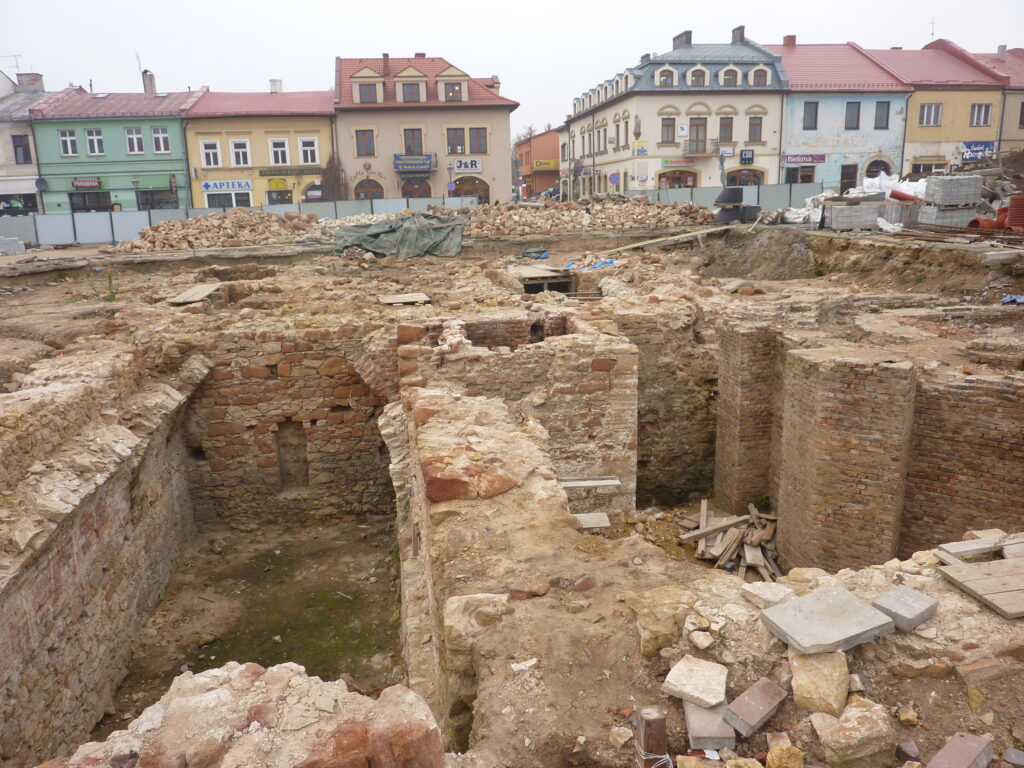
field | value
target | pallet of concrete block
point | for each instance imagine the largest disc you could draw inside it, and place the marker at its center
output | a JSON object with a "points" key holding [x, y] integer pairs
{"points": [[952, 190], [840, 216], [10, 245], [946, 216], [901, 211]]}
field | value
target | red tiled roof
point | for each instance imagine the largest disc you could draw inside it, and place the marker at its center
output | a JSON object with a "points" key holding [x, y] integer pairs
{"points": [[934, 67], [221, 104], [479, 95], [834, 67], [1012, 66], [76, 102]]}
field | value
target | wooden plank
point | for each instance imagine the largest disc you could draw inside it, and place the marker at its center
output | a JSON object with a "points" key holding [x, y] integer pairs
{"points": [[753, 555], [697, 235], [732, 539], [754, 515], [948, 559], [652, 736], [589, 482], [1013, 550], [730, 522], [195, 293], [687, 522], [971, 547], [995, 584], [1008, 604], [971, 571], [403, 298], [702, 522]]}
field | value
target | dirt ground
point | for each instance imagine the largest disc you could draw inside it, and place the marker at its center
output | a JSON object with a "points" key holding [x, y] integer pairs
{"points": [[323, 597]]}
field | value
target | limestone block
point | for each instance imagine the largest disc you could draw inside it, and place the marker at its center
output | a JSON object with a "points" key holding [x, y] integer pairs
{"points": [[765, 594], [820, 681], [862, 737], [706, 727], [697, 681], [660, 613], [907, 607]]}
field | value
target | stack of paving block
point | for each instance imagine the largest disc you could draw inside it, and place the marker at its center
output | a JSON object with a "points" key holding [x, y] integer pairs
{"points": [[951, 200], [845, 216], [11, 245]]}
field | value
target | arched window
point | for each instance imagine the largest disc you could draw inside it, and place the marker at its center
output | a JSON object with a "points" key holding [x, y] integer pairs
{"points": [[760, 78], [416, 188], [697, 79], [666, 78], [747, 177], [469, 186], [876, 167], [368, 189], [730, 78]]}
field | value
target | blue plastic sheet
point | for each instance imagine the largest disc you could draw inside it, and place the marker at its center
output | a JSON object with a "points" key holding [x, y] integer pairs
{"points": [[1013, 299], [598, 265]]}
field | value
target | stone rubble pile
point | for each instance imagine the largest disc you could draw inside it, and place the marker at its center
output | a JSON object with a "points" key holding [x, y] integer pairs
{"points": [[233, 228]]}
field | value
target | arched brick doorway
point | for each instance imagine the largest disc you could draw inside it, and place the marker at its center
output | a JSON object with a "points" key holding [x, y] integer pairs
{"points": [[368, 189]]}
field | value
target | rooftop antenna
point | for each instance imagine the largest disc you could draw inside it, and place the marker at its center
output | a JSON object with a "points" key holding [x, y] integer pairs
{"points": [[17, 60], [138, 60], [933, 27]]}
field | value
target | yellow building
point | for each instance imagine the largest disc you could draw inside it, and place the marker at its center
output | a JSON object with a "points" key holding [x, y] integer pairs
{"points": [[248, 149], [954, 113]]}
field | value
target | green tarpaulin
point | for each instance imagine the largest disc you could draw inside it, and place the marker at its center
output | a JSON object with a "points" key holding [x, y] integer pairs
{"points": [[407, 236]]}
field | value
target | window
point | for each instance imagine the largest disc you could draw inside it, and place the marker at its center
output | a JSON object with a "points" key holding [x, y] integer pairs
{"points": [[747, 177], [697, 79], [367, 93], [240, 153], [730, 78], [410, 91], [725, 129], [453, 91], [928, 168], [364, 144], [668, 130], [981, 114], [94, 140], [134, 138], [478, 141], [565, 152], [150, 199], [89, 201], [754, 134], [68, 143], [760, 78], [279, 196], [161, 141], [803, 174], [413, 141], [618, 135], [930, 115], [228, 200], [22, 149], [810, 115], [852, 115], [211, 153], [309, 151], [666, 79], [881, 115], [1020, 120], [456, 141], [279, 151]]}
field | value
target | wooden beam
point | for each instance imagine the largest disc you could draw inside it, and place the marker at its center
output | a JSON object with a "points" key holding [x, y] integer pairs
{"points": [[730, 522], [652, 737], [671, 239]]}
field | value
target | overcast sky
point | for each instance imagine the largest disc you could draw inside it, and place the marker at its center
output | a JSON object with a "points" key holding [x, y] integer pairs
{"points": [[544, 51]]}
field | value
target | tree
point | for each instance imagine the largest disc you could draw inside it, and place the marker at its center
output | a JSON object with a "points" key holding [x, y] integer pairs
{"points": [[527, 132]]}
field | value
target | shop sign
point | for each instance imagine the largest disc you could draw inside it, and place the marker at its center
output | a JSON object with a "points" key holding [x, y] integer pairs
{"points": [[277, 183], [804, 159], [641, 148], [976, 150], [545, 165], [227, 185], [86, 183], [746, 157], [674, 162], [297, 170], [726, 151], [468, 165]]}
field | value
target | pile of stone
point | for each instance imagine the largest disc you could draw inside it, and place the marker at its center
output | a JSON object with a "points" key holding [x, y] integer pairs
{"points": [[508, 219], [233, 228]]}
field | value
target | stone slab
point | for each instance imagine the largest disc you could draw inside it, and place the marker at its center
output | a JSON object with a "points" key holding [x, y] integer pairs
{"points": [[829, 619], [963, 750], [1014, 757], [707, 728], [591, 520], [752, 708], [765, 594], [907, 607], [972, 546], [697, 681]]}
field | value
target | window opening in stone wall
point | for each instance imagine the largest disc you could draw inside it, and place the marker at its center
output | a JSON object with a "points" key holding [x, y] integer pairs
{"points": [[292, 459], [537, 332]]}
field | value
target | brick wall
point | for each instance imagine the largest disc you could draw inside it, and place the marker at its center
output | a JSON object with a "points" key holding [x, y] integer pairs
{"points": [[966, 466], [261, 380]]}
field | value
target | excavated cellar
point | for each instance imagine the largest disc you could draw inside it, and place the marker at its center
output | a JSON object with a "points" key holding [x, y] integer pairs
{"points": [[149, 448]]}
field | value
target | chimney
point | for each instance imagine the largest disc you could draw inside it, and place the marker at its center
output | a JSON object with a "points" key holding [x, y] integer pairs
{"points": [[644, 58], [387, 64], [737, 35], [683, 38], [896, 48], [32, 82], [419, 55], [495, 85], [789, 40], [275, 86], [148, 82], [1000, 54]]}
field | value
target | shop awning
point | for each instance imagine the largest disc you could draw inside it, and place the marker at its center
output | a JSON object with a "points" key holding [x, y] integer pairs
{"points": [[18, 185]]}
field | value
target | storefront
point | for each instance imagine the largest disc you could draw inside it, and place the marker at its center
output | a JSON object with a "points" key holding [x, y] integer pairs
{"points": [[227, 193], [18, 197]]}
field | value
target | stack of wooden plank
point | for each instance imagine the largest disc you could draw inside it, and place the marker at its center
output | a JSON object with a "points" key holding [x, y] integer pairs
{"points": [[739, 542], [997, 582]]}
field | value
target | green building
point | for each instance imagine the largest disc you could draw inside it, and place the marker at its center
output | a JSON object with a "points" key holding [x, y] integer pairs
{"points": [[112, 151]]}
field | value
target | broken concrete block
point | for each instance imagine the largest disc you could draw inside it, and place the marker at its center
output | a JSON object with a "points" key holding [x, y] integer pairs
{"points": [[830, 619], [697, 681], [707, 728], [821, 681], [765, 594], [963, 750], [752, 708], [907, 607], [862, 737]]}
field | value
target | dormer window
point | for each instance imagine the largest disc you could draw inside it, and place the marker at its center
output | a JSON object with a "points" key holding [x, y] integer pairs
{"points": [[730, 78], [697, 79], [666, 78], [453, 91], [367, 93], [759, 78], [410, 92]]}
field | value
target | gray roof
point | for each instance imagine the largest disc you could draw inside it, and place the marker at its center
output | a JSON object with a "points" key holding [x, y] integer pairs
{"points": [[16, 106], [717, 53]]}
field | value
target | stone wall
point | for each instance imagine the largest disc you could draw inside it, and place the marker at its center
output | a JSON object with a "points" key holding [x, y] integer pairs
{"points": [[111, 511], [243, 467], [966, 466]]}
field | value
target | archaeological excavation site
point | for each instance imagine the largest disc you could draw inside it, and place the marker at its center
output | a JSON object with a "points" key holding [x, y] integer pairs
{"points": [[287, 492]]}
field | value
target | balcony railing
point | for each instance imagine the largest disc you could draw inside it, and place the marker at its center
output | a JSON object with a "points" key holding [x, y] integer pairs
{"points": [[416, 163], [697, 147]]}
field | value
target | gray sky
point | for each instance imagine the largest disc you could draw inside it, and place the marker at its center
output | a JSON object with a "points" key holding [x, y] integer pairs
{"points": [[544, 52]]}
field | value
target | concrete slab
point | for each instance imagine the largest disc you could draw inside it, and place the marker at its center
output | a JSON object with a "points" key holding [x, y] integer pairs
{"points": [[591, 520], [907, 607], [752, 708], [707, 728], [697, 681], [765, 594], [830, 619], [963, 750]]}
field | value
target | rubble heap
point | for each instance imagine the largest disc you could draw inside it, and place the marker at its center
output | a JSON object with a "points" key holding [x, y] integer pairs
{"points": [[235, 227]]}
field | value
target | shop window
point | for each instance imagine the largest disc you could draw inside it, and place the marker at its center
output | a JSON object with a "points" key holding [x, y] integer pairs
{"points": [[279, 196], [89, 201], [802, 174], [152, 199], [745, 178], [368, 189], [228, 200]]}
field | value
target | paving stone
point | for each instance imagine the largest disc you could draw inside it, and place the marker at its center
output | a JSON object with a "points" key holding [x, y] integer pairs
{"points": [[830, 619], [907, 607], [1014, 757], [697, 681], [765, 594], [821, 681], [963, 750], [752, 708], [706, 727]]}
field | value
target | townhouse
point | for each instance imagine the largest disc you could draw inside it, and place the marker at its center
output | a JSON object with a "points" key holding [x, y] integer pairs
{"points": [[537, 162], [845, 114], [699, 115], [420, 127], [19, 174], [267, 148], [1008, 64]]}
